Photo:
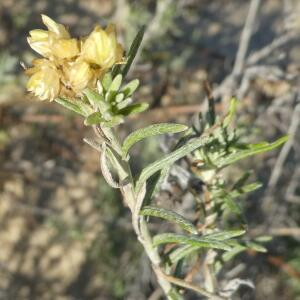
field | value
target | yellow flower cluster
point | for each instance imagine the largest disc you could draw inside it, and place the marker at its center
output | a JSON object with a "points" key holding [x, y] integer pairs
{"points": [[70, 65]]}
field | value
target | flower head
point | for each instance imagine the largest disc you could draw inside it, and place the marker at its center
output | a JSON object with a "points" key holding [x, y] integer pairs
{"points": [[101, 47], [77, 75], [44, 80], [70, 65], [54, 42]]}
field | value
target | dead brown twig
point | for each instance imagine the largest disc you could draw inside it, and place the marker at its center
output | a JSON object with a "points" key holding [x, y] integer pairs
{"points": [[184, 284]]}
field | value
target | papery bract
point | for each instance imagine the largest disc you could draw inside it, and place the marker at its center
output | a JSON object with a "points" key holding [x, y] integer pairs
{"points": [[101, 47], [56, 42], [44, 81]]}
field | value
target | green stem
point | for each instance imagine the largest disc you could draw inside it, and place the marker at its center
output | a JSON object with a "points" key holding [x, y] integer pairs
{"points": [[139, 223]]}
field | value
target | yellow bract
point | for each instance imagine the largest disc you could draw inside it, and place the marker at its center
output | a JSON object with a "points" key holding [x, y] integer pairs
{"points": [[70, 65]]}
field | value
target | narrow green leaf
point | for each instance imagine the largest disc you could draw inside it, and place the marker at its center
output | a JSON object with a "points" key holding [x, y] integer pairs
{"points": [[242, 180], [264, 238], [94, 118], [133, 50], [170, 216], [232, 205], [149, 131], [166, 238], [231, 112], [97, 100], [256, 247], [130, 87], [153, 184], [71, 106], [124, 103], [245, 189], [227, 256], [106, 81], [114, 87], [251, 150], [134, 109], [116, 83], [120, 97], [116, 120], [225, 235], [182, 252], [169, 159]]}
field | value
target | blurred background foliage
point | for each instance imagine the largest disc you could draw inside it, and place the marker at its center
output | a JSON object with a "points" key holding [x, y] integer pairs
{"points": [[64, 233]]}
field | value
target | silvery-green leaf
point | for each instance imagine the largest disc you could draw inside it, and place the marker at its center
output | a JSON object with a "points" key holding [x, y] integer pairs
{"points": [[227, 256], [154, 183], [124, 103], [169, 215], [106, 81], [115, 84], [182, 252], [256, 247], [225, 235], [250, 150], [231, 112], [97, 100], [94, 118], [120, 97], [264, 238], [169, 159], [113, 89], [149, 131], [130, 87], [86, 108], [134, 109], [202, 242], [71, 106], [231, 204], [242, 180], [116, 120], [245, 189]]}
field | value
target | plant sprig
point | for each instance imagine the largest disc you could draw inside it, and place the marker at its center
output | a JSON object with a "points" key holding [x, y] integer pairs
{"points": [[210, 149]]}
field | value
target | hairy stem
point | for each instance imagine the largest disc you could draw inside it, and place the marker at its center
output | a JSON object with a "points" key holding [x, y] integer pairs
{"points": [[134, 201]]}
